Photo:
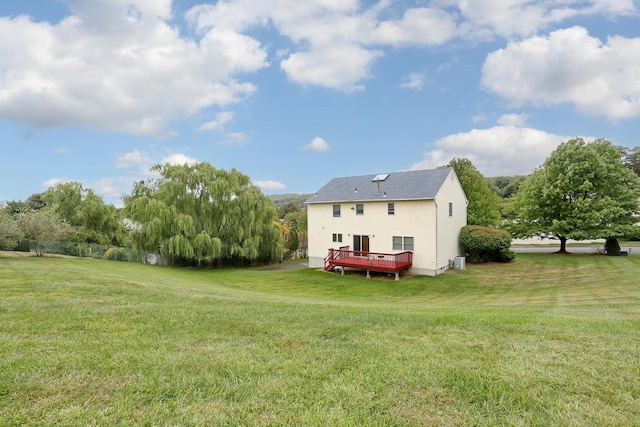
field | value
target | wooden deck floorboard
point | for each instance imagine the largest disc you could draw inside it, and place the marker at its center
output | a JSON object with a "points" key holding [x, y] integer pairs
{"points": [[369, 263]]}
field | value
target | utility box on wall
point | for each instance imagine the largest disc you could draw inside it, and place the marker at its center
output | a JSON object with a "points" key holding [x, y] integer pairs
{"points": [[458, 263]]}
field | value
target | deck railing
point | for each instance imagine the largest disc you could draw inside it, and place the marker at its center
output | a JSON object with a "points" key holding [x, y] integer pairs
{"points": [[369, 260], [335, 254]]}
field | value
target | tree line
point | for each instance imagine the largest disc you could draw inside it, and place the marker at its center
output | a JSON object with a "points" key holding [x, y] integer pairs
{"points": [[583, 190], [194, 214]]}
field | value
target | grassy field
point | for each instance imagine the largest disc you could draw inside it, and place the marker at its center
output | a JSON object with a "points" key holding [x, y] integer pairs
{"points": [[546, 340]]}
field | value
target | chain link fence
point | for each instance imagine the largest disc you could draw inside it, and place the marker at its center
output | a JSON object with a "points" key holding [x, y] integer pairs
{"points": [[93, 250]]}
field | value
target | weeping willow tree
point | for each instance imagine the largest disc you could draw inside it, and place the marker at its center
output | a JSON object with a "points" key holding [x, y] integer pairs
{"points": [[94, 220], [202, 214]]}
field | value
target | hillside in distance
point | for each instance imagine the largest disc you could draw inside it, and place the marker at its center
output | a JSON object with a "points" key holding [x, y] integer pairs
{"points": [[281, 199]]}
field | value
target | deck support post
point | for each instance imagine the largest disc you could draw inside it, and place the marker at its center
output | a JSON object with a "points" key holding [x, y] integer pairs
{"points": [[368, 275], [397, 275]]}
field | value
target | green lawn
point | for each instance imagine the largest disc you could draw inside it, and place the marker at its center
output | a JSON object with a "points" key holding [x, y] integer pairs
{"points": [[548, 340]]}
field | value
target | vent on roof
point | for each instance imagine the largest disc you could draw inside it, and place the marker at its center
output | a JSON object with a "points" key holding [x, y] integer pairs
{"points": [[380, 177]]}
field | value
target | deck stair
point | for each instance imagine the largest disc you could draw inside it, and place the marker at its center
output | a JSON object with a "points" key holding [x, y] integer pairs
{"points": [[333, 256]]}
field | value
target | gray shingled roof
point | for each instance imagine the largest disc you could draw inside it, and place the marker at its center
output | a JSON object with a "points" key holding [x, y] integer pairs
{"points": [[411, 185]]}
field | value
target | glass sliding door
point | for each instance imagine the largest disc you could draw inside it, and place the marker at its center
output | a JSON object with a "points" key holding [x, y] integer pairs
{"points": [[360, 244]]}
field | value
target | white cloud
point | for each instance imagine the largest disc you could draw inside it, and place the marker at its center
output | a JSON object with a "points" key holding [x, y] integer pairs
{"points": [[123, 65], [501, 150], [337, 42], [508, 18], [414, 81], [52, 182], [134, 158], [569, 66], [317, 144], [514, 17], [118, 66], [615, 7], [218, 124], [513, 119], [418, 26], [109, 188], [179, 159], [269, 185], [337, 67]]}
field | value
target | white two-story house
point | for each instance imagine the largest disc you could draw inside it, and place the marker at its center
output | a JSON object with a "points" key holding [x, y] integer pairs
{"points": [[374, 217]]}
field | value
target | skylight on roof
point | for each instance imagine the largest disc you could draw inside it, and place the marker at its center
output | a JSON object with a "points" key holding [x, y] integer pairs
{"points": [[380, 177]]}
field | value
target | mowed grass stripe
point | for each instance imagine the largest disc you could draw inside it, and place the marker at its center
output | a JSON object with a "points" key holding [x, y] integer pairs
{"points": [[547, 340]]}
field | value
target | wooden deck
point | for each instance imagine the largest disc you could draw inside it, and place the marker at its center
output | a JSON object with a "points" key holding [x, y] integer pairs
{"points": [[373, 261]]}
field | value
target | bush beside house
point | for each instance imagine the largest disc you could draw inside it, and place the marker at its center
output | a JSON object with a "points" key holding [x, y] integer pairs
{"points": [[486, 244]]}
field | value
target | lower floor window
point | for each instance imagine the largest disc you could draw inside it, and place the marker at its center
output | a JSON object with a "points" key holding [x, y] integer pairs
{"points": [[402, 243], [337, 237]]}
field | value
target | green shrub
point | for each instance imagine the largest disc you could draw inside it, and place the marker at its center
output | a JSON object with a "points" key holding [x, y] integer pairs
{"points": [[116, 254], [484, 244], [64, 248]]}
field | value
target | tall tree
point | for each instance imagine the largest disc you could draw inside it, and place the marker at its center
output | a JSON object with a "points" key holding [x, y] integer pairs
{"points": [[94, 220], [33, 203], [484, 204], [43, 226], [296, 222], [200, 213], [10, 233], [287, 208], [582, 191], [506, 186], [66, 198]]}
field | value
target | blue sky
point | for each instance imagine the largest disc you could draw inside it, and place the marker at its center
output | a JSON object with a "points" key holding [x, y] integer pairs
{"points": [[294, 93]]}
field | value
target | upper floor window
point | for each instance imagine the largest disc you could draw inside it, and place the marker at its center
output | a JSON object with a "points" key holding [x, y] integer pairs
{"points": [[450, 208], [336, 210], [391, 208], [359, 208]]}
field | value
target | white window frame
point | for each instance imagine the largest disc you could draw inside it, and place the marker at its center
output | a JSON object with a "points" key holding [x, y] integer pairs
{"points": [[402, 243]]}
